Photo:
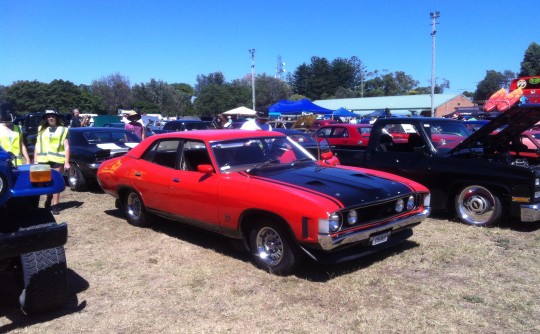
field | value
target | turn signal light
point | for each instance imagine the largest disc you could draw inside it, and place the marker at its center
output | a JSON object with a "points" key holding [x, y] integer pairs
{"points": [[40, 173]]}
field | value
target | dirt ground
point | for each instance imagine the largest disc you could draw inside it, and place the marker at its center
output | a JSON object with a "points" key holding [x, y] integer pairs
{"points": [[448, 278]]}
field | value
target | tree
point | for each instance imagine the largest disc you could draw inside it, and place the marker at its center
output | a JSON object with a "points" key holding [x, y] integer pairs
{"points": [[215, 99], [268, 90], [114, 91], [216, 78], [492, 82], [27, 96], [390, 84], [530, 66]]}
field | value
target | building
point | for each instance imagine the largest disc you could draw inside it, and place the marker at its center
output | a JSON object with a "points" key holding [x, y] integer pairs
{"points": [[405, 105]]}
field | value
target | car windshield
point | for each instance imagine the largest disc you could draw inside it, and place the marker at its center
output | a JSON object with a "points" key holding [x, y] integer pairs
{"points": [[246, 154], [98, 137]]}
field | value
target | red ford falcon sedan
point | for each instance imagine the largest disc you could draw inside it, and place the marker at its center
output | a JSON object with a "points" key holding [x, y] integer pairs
{"points": [[263, 188]]}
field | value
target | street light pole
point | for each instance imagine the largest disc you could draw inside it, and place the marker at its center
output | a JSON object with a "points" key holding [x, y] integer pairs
{"points": [[434, 16], [252, 51]]}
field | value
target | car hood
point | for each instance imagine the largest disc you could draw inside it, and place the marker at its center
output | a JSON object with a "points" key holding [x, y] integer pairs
{"points": [[349, 187], [515, 121]]}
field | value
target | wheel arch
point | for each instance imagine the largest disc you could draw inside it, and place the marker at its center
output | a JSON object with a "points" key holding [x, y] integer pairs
{"points": [[252, 216]]}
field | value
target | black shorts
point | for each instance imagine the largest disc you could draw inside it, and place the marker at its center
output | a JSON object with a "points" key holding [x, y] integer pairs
{"points": [[53, 164]]}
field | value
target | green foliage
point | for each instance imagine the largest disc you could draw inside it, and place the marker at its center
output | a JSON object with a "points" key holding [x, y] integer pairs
{"points": [[114, 91], [492, 82], [214, 99], [530, 66]]}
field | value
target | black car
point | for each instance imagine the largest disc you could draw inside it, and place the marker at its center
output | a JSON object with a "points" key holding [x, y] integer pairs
{"points": [[121, 125], [185, 125], [89, 146]]}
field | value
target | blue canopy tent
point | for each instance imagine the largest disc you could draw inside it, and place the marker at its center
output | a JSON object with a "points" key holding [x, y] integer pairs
{"points": [[284, 107], [342, 112]]}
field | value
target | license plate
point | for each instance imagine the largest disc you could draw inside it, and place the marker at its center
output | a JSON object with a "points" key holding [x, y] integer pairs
{"points": [[379, 239]]}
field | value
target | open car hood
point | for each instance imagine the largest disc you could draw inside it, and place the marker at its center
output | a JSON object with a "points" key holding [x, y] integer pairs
{"points": [[513, 122]]}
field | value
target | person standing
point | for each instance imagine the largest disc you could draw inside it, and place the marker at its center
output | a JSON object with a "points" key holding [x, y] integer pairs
{"points": [[259, 123], [76, 121], [11, 138], [52, 148], [134, 124]]}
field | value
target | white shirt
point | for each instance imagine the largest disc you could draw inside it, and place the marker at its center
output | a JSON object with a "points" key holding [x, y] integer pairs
{"points": [[252, 124]]}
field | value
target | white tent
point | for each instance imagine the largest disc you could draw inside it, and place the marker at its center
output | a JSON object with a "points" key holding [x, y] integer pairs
{"points": [[240, 111]]}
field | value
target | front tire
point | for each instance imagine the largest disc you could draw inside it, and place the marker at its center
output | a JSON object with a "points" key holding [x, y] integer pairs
{"points": [[478, 206], [76, 180], [273, 250], [45, 280], [135, 210]]}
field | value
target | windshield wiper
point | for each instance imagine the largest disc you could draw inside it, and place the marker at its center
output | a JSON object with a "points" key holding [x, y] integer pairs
{"points": [[262, 165]]}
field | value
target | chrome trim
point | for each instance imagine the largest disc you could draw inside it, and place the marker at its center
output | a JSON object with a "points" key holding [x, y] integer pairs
{"points": [[94, 165], [328, 243], [530, 212]]}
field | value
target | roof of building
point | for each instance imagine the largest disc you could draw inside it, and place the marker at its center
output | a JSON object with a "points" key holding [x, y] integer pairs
{"points": [[404, 103]]}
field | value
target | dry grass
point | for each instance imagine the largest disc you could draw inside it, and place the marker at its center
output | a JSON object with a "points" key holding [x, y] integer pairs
{"points": [[449, 278]]}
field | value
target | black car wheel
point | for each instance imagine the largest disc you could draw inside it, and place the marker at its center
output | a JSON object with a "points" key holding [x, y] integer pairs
{"points": [[44, 279], [273, 250], [478, 206], [76, 180], [135, 210]]}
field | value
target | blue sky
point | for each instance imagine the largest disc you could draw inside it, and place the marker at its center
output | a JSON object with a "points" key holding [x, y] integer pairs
{"points": [[174, 41]]}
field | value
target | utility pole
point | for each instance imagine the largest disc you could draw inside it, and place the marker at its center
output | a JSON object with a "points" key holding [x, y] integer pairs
{"points": [[280, 68], [252, 51], [434, 16]]}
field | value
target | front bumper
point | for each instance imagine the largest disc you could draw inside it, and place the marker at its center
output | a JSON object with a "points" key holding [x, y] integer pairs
{"points": [[328, 243], [530, 212]]}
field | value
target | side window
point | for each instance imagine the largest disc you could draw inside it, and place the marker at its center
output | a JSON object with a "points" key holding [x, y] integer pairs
{"points": [[163, 153], [194, 154], [339, 133], [408, 139]]}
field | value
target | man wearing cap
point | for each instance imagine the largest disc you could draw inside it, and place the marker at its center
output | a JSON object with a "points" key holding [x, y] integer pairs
{"points": [[11, 136], [259, 123], [52, 148]]}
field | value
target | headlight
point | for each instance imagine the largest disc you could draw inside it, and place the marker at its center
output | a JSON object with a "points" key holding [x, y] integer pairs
{"points": [[537, 182], [334, 222], [352, 218], [399, 205], [410, 203], [427, 201]]}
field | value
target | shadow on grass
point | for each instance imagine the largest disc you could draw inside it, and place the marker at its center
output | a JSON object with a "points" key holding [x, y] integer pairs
{"points": [[507, 223], [308, 270], [11, 287]]}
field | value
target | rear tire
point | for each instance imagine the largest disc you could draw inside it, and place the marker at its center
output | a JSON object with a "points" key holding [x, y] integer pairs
{"points": [[272, 249], [135, 211], [76, 180], [478, 206], [45, 284]]}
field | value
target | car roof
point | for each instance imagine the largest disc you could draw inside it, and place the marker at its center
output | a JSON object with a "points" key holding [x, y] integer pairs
{"points": [[95, 129], [204, 135]]}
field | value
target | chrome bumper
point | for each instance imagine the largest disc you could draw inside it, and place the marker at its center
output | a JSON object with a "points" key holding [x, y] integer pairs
{"points": [[328, 243], [530, 212]]}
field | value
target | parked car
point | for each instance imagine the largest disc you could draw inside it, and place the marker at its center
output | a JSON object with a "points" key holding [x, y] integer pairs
{"points": [[264, 189], [90, 146], [345, 135], [185, 125], [318, 150], [477, 179], [32, 249]]}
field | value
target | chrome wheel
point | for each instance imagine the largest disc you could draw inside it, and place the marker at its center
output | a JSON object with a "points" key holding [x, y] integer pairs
{"points": [[476, 205], [134, 209], [269, 246]]}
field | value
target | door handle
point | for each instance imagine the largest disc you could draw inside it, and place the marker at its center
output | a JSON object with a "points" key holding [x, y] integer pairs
{"points": [[176, 180], [137, 173]]}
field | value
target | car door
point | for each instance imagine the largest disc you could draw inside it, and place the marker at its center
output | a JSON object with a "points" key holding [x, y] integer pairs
{"points": [[155, 171], [193, 195]]}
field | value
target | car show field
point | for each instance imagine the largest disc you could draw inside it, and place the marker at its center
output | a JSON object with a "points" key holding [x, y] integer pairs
{"points": [[448, 277]]}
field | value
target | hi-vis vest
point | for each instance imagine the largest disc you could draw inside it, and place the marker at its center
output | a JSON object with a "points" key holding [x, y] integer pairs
{"points": [[50, 145], [12, 143]]}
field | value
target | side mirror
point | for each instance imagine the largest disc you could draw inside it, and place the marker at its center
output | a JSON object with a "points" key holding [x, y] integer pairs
{"points": [[205, 169], [327, 155]]}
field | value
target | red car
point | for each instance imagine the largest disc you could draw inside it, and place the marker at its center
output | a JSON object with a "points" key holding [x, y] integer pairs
{"points": [[263, 188], [345, 135]]}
